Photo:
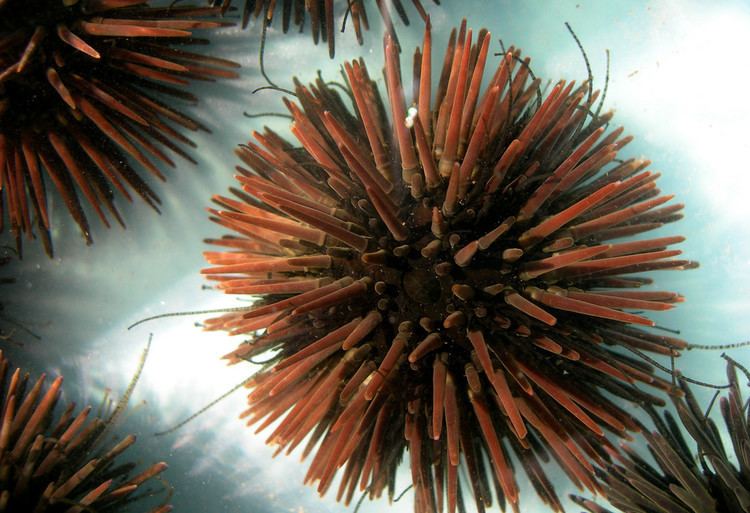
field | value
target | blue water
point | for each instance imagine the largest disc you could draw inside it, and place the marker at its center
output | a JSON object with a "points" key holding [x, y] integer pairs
{"points": [[677, 81]]}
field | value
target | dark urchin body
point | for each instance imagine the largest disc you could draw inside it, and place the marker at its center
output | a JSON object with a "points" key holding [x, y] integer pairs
{"points": [[86, 88], [445, 284], [700, 476], [58, 462]]}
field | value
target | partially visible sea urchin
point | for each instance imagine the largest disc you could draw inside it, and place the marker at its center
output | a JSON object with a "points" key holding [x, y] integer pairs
{"points": [[321, 14], [83, 85], [445, 284], [58, 462], [696, 477]]}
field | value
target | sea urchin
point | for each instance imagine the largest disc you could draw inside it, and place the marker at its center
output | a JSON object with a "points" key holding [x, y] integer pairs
{"points": [[686, 480], [56, 462], [445, 282], [321, 15], [77, 84]]}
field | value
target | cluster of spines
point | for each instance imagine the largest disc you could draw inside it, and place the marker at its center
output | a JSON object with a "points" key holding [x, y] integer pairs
{"points": [[77, 103], [699, 476], [321, 15], [56, 462], [446, 285]]}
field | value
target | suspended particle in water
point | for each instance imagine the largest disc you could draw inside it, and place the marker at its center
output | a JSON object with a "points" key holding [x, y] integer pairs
{"points": [[457, 280], [697, 475], [61, 461], [87, 88]]}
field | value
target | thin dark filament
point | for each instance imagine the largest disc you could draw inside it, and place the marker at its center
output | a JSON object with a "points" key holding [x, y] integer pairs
{"points": [[19, 326], [735, 345], [261, 62], [264, 115], [274, 88], [590, 113], [521, 62], [502, 48], [349, 5], [400, 496], [150, 492], [194, 312], [166, 483], [122, 403], [168, 487], [361, 499], [205, 408], [738, 365], [533, 77], [668, 330], [9, 337], [673, 372], [711, 405], [586, 60], [342, 87], [606, 86]]}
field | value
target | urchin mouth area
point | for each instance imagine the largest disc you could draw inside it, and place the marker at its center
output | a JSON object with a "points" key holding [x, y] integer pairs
{"points": [[415, 282], [422, 286], [428, 275]]}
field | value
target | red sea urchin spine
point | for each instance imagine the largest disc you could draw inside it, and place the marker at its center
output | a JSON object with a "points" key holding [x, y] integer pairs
{"points": [[449, 286], [77, 102]]}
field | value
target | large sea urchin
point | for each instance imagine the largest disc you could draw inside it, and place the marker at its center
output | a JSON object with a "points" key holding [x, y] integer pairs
{"points": [[321, 15], [445, 284], [685, 480], [77, 84], [55, 463]]}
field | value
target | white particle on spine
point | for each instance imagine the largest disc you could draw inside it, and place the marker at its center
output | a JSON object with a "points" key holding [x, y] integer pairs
{"points": [[410, 115]]}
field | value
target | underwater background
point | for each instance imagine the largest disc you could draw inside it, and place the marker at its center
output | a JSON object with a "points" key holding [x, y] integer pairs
{"points": [[678, 76]]}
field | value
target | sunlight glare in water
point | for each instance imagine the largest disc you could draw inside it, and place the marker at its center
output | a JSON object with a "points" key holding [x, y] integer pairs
{"points": [[687, 82]]}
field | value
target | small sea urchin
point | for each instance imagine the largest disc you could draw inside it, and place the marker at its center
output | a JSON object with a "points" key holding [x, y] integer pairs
{"points": [[445, 283], [77, 101], [55, 463], [695, 477], [321, 14]]}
